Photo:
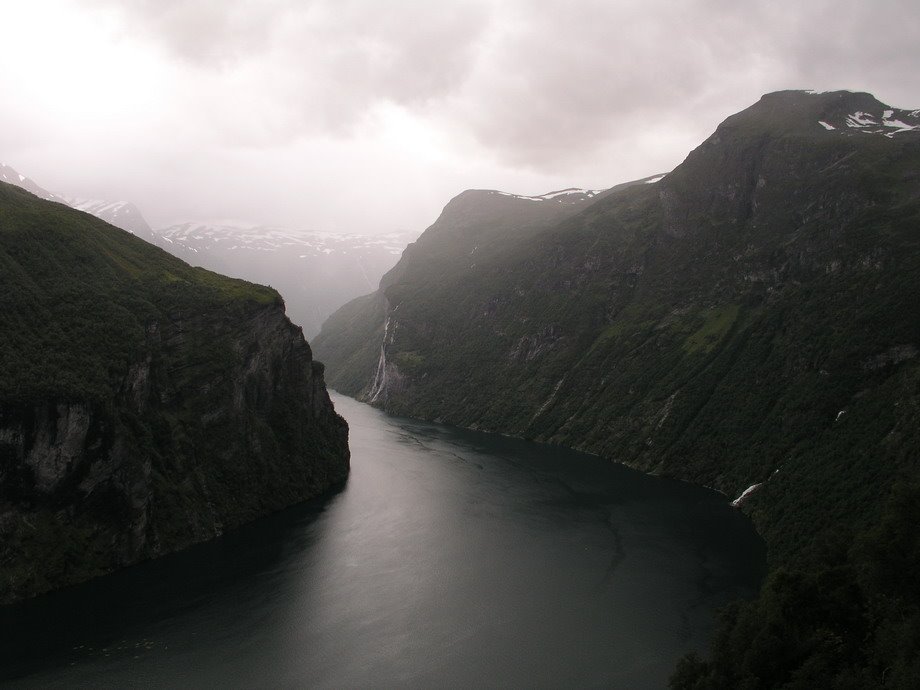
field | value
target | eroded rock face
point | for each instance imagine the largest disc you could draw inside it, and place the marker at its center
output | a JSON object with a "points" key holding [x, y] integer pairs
{"points": [[49, 441], [220, 421]]}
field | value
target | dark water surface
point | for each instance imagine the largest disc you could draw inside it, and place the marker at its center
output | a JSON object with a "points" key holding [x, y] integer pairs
{"points": [[450, 558]]}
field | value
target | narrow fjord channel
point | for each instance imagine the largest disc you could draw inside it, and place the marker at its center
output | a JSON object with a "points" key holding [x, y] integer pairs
{"points": [[450, 558]]}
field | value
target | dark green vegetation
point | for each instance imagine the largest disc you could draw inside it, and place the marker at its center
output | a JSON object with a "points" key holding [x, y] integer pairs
{"points": [[851, 622], [144, 405], [750, 318]]}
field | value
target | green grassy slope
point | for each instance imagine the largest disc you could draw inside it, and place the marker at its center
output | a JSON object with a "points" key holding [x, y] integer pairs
{"points": [[76, 296]]}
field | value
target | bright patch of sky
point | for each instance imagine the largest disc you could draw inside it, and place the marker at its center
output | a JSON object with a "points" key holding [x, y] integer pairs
{"points": [[367, 117]]}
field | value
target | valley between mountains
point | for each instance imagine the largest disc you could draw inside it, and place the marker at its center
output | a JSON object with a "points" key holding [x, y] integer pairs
{"points": [[746, 322], [746, 319]]}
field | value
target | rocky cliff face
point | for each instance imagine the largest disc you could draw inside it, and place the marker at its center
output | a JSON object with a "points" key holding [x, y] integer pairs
{"points": [[710, 325], [217, 415]]}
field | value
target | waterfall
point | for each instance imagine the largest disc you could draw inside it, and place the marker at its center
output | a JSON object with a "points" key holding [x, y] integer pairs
{"points": [[380, 377]]}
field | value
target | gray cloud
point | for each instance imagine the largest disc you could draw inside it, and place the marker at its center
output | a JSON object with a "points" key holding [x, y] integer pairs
{"points": [[279, 110], [324, 62], [568, 80]]}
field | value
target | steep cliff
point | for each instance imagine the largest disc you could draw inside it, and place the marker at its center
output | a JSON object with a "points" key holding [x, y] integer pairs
{"points": [[747, 319], [144, 405]]}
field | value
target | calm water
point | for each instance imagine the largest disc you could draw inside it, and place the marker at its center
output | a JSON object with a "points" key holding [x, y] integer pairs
{"points": [[450, 559]]}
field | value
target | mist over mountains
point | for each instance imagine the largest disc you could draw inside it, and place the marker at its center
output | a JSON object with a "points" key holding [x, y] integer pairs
{"points": [[315, 272], [747, 322], [357, 344], [121, 214], [633, 322], [12, 176]]}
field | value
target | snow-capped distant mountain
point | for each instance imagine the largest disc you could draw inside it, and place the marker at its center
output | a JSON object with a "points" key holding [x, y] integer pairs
{"points": [[315, 272], [199, 237], [8, 174], [121, 214], [572, 195]]}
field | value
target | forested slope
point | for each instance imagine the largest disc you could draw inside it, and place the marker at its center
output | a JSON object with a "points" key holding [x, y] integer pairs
{"points": [[144, 405]]}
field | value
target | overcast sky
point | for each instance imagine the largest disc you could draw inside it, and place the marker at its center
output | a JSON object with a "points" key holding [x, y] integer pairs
{"points": [[368, 115]]}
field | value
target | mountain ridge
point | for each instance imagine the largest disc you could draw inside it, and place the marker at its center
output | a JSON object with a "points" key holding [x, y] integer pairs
{"points": [[316, 271], [746, 323], [145, 405], [705, 258]]}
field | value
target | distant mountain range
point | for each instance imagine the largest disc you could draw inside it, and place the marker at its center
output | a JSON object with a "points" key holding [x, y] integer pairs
{"points": [[12, 176], [315, 272], [121, 214]]}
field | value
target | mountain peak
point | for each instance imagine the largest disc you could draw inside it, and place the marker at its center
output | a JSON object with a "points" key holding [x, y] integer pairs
{"points": [[811, 112], [12, 176], [121, 214], [812, 118], [804, 96]]}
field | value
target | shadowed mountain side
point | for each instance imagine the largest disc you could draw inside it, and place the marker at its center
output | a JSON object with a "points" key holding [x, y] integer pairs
{"points": [[145, 405]]}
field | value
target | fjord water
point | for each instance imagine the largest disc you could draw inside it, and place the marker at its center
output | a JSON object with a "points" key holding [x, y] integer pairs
{"points": [[450, 558]]}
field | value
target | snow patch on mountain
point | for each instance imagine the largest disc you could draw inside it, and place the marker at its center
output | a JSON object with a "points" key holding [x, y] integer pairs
{"points": [[900, 126], [888, 123], [315, 272], [860, 119], [12, 176], [105, 209], [571, 195], [233, 238], [121, 214], [868, 116]]}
